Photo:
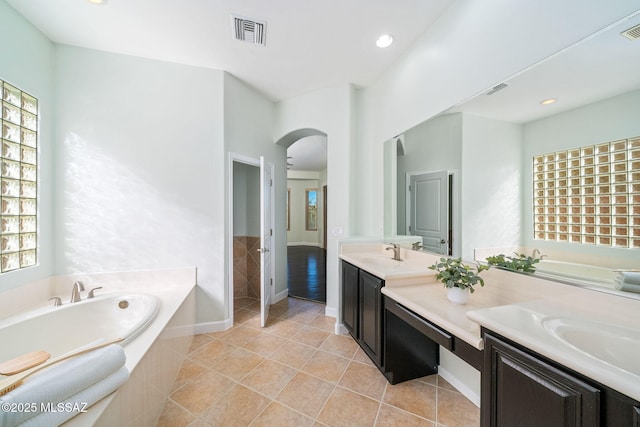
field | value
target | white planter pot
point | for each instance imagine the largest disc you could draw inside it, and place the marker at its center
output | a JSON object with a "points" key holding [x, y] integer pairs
{"points": [[457, 295]]}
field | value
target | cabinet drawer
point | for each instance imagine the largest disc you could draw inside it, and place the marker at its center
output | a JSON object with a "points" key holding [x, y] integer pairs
{"points": [[427, 328]]}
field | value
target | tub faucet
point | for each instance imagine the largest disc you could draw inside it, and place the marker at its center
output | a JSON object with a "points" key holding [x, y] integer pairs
{"points": [[75, 292], [537, 251], [396, 251]]}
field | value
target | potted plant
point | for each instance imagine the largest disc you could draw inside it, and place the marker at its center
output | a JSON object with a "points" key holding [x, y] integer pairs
{"points": [[458, 278], [519, 262]]}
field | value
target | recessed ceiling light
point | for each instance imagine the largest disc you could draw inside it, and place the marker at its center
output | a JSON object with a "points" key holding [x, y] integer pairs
{"points": [[97, 1], [548, 101], [384, 40]]}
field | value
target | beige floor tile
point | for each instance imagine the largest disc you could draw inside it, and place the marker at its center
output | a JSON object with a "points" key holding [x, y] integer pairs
{"points": [[265, 344], [361, 356], [313, 337], [416, 397], [243, 315], [269, 378], [390, 416], [325, 366], [210, 353], [238, 364], [441, 382], [239, 303], [198, 341], [346, 408], [237, 408], [342, 345], [305, 394], [188, 371], [284, 328], [293, 354], [200, 393], [364, 379], [455, 410], [304, 317], [240, 335], [323, 322], [174, 416], [278, 415]]}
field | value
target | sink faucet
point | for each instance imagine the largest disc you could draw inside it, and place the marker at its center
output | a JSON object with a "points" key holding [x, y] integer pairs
{"points": [[396, 251], [75, 292]]}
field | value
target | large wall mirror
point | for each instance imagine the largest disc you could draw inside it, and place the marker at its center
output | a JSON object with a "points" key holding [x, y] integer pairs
{"points": [[489, 145]]}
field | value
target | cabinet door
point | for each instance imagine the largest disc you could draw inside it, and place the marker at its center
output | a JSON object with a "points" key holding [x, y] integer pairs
{"points": [[522, 390], [371, 316], [350, 298]]}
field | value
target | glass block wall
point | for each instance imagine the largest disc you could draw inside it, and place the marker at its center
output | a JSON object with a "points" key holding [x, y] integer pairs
{"points": [[589, 195], [18, 195]]}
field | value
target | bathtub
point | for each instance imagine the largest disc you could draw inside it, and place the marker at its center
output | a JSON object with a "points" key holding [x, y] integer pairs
{"points": [[58, 330], [569, 270]]}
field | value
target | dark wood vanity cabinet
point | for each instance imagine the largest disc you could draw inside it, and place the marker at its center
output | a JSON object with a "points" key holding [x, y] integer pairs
{"points": [[521, 388], [362, 309]]}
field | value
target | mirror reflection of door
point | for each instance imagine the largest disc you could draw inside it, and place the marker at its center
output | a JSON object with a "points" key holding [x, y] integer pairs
{"points": [[429, 199]]}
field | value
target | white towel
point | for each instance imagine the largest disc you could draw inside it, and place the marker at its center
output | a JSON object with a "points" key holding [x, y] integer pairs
{"points": [[629, 277], [626, 286], [79, 401], [62, 381]]}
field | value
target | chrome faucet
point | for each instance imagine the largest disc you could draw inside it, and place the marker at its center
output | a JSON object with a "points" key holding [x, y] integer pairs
{"points": [[537, 251], [75, 292], [396, 251]]}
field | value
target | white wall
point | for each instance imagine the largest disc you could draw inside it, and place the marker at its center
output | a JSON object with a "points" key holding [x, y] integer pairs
{"points": [[491, 197], [473, 46], [331, 111], [609, 120], [140, 169], [248, 131], [27, 61], [298, 234], [246, 200]]}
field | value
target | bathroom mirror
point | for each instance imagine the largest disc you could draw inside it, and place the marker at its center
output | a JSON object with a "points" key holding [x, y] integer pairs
{"points": [[489, 142]]}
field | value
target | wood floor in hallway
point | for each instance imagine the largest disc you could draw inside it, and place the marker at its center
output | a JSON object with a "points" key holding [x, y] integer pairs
{"points": [[297, 372], [306, 273]]}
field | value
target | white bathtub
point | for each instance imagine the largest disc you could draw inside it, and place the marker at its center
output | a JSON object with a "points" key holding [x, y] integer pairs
{"points": [[581, 272], [58, 330]]}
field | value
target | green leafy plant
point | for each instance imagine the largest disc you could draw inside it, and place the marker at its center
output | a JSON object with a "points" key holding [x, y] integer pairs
{"points": [[454, 274], [520, 262]]}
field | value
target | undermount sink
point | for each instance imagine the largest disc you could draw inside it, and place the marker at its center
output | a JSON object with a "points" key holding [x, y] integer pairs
{"points": [[614, 345]]}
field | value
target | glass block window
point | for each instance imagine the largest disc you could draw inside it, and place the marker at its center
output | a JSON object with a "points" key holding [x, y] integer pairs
{"points": [[18, 195], [589, 195]]}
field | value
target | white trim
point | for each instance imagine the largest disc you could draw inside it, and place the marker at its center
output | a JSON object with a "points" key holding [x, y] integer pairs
{"points": [[280, 296], [304, 244], [240, 158], [340, 329], [206, 327], [330, 311], [459, 385]]}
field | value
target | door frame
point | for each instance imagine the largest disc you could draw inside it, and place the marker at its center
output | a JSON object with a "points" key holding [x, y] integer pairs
{"points": [[239, 158], [454, 190]]}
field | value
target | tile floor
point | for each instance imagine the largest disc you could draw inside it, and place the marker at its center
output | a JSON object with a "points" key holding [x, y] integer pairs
{"points": [[297, 372]]}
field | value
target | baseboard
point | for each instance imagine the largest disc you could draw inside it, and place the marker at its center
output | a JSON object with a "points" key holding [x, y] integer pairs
{"points": [[330, 311], [459, 385], [340, 329], [319, 245], [280, 296], [206, 327]]}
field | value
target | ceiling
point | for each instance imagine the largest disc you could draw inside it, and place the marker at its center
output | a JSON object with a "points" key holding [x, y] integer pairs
{"points": [[308, 154], [601, 66], [310, 44]]}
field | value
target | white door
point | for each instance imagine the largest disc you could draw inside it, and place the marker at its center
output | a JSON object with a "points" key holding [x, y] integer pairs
{"points": [[266, 238], [429, 210]]}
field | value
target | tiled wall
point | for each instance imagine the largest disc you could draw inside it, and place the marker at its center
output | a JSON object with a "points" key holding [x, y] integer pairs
{"points": [[246, 266]]}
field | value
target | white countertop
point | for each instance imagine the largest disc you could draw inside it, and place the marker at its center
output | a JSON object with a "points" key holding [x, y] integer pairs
{"points": [[511, 305]]}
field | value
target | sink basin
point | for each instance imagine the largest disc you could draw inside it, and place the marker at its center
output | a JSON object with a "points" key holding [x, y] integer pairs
{"points": [[614, 345], [386, 262]]}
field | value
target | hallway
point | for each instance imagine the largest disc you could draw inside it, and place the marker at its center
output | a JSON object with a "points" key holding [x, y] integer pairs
{"points": [[297, 372], [306, 273]]}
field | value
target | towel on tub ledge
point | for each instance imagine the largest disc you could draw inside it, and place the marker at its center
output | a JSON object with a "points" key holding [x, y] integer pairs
{"points": [[628, 281], [59, 383]]}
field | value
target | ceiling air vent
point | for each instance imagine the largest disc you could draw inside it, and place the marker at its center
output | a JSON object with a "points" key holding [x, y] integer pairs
{"points": [[632, 33], [496, 88], [249, 30]]}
